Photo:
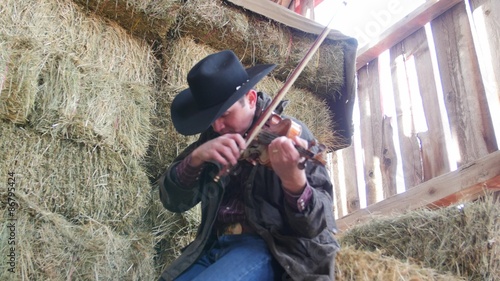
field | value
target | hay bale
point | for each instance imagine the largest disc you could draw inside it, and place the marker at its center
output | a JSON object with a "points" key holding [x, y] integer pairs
{"points": [[275, 43], [95, 81], [324, 74], [49, 247], [143, 18], [165, 143], [21, 59], [99, 110], [180, 56], [256, 39], [308, 108], [359, 265], [462, 240], [81, 183], [215, 24]]}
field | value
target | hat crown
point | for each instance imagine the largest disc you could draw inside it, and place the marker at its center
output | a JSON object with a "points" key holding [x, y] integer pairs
{"points": [[215, 79], [215, 84]]}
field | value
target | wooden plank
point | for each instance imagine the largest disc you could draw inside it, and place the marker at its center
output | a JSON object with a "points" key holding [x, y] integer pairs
{"points": [[411, 159], [370, 129], [403, 28], [389, 163], [287, 17], [433, 145], [484, 16], [350, 179], [465, 98], [338, 185], [344, 179], [469, 182]]}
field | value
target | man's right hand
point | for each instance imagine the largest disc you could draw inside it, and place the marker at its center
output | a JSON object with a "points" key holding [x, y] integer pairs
{"points": [[225, 150]]}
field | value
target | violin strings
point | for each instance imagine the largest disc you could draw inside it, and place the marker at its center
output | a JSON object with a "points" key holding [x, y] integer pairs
{"points": [[267, 137]]}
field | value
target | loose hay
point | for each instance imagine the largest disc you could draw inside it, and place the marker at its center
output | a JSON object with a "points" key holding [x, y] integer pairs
{"points": [[172, 231], [359, 265], [79, 182], [49, 247], [95, 80], [462, 240]]}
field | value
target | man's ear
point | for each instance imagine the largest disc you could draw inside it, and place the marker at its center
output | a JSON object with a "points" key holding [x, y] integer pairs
{"points": [[252, 98]]}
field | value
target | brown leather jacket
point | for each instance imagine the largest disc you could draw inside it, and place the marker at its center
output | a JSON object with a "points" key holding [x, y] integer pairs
{"points": [[303, 243]]}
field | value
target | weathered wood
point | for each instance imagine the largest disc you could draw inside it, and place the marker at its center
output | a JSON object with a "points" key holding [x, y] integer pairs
{"points": [[486, 27], [285, 16], [340, 207], [389, 163], [433, 145], [402, 29], [469, 182], [408, 141], [350, 179], [370, 129], [465, 99]]}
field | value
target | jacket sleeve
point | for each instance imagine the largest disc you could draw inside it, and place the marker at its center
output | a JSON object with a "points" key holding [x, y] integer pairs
{"points": [[174, 196], [318, 214]]}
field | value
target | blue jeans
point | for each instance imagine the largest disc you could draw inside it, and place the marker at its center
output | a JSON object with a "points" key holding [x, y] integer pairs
{"points": [[235, 258]]}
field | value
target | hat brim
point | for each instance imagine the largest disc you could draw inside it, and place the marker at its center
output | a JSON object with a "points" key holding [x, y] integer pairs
{"points": [[188, 119]]}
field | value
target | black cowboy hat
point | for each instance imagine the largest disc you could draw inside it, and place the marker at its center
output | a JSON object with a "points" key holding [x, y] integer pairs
{"points": [[215, 84]]}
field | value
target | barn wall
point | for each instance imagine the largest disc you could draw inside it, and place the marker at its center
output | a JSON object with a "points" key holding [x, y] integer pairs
{"points": [[425, 107]]}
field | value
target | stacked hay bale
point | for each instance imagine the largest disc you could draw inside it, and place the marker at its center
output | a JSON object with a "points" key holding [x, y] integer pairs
{"points": [[86, 131], [256, 39], [359, 265], [76, 104], [86, 126], [463, 240]]}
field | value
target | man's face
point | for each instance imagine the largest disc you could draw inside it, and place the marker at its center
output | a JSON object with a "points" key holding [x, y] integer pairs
{"points": [[238, 118]]}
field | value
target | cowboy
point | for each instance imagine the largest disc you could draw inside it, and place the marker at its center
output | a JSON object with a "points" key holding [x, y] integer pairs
{"points": [[258, 223]]}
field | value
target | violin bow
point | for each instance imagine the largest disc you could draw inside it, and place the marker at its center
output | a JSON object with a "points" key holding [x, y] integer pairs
{"points": [[254, 132]]}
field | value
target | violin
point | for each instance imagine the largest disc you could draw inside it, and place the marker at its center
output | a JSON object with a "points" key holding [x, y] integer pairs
{"points": [[276, 126]]}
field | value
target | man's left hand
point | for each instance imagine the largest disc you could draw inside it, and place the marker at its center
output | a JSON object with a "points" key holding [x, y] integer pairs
{"points": [[285, 160]]}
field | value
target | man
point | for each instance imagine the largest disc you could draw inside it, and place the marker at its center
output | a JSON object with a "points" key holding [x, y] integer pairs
{"points": [[258, 223]]}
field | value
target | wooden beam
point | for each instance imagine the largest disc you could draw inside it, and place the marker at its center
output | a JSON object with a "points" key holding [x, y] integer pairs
{"points": [[469, 182], [403, 28], [287, 17]]}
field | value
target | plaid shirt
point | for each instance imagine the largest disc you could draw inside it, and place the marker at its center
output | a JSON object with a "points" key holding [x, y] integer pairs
{"points": [[232, 207]]}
